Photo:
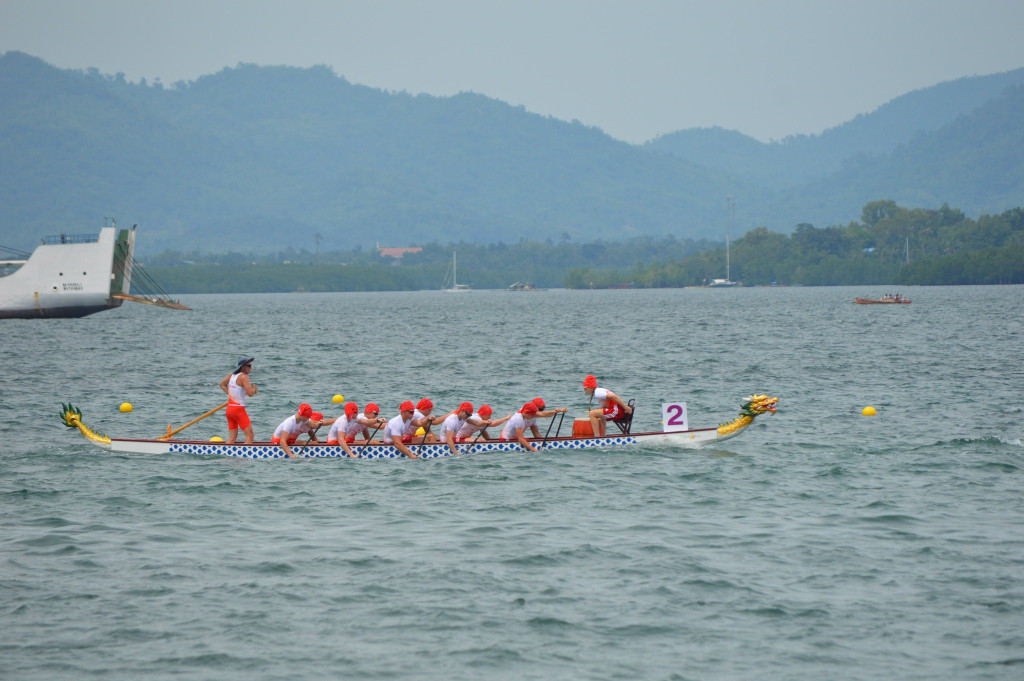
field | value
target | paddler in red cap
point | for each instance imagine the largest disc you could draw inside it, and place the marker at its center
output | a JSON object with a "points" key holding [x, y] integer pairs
{"points": [[544, 413], [477, 424], [394, 431], [421, 418], [517, 425], [612, 408], [339, 428], [298, 423], [449, 431], [347, 428], [238, 387]]}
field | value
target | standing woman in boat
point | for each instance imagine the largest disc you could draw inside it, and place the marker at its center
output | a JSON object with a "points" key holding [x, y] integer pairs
{"points": [[238, 387], [612, 408]]}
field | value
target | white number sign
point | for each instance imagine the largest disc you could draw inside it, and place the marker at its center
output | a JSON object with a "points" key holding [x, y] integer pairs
{"points": [[673, 417]]}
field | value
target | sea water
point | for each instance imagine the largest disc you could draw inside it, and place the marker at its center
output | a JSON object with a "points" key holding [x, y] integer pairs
{"points": [[818, 544]]}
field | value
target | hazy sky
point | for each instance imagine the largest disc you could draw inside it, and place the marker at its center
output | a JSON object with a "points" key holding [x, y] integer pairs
{"points": [[636, 69]]}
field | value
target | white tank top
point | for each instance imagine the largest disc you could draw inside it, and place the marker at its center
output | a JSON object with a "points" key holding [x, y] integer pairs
{"points": [[236, 393]]}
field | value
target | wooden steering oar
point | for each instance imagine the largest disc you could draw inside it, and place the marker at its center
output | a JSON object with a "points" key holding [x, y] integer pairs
{"points": [[191, 423]]}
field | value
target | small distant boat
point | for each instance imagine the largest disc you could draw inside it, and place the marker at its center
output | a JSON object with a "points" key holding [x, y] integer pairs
{"points": [[727, 282], [884, 300], [520, 286], [452, 285]]}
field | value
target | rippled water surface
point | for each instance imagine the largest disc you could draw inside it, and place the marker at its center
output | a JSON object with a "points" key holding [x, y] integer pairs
{"points": [[819, 544]]}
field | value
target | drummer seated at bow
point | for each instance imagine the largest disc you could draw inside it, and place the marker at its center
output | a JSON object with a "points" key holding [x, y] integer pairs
{"points": [[304, 420], [612, 407]]}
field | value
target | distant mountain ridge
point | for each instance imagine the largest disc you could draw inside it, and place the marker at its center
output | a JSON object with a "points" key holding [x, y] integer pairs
{"points": [[264, 158], [801, 158]]}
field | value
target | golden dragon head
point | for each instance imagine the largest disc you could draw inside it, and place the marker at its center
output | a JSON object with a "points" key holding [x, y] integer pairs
{"points": [[754, 405]]}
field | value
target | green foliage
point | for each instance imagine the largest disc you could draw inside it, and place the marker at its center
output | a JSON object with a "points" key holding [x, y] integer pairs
{"points": [[949, 249]]}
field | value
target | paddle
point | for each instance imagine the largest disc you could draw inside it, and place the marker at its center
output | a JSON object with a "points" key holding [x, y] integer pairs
{"points": [[310, 439], [545, 440], [559, 429], [369, 438], [426, 431], [191, 423], [477, 439]]}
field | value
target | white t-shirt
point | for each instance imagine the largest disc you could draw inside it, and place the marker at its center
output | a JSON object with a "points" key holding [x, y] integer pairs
{"points": [[471, 426], [355, 427], [517, 421], [601, 395], [453, 423], [292, 426], [411, 429], [395, 428], [338, 428]]}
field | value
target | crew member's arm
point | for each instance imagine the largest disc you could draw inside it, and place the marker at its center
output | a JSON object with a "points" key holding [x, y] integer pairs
{"points": [[243, 380], [224, 384], [400, 446], [449, 437], [285, 436], [618, 400], [344, 445], [522, 440]]}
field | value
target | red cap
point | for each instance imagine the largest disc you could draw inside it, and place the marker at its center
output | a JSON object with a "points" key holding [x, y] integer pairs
{"points": [[539, 402], [351, 409], [589, 382], [305, 410], [425, 404], [317, 416], [466, 407], [485, 410], [372, 407], [529, 408], [406, 406]]}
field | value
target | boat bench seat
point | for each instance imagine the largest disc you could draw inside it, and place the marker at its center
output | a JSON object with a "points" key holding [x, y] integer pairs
{"points": [[625, 424]]}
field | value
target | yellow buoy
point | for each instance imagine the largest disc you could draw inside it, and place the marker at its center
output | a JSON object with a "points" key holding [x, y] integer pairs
{"points": [[216, 438], [126, 407], [338, 399], [868, 411]]}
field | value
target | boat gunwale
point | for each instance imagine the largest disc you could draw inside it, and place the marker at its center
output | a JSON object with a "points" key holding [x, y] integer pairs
{"points": [[360, 445]]}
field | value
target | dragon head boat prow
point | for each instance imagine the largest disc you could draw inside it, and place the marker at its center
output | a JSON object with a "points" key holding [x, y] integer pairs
{"points": [[72, 418], [752, 407]]}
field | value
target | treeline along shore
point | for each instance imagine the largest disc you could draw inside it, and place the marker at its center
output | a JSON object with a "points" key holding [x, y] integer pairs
{"points": [[890, 245]]}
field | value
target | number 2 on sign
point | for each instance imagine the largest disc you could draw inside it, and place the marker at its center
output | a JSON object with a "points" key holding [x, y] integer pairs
{"points": [[673, 417]]}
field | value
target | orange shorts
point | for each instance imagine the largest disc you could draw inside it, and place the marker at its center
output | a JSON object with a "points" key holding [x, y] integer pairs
{"points": [[237, 417], [348, 440], [277, 441]]}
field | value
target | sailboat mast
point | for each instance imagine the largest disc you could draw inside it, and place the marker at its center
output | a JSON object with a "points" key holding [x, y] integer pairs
{"points": [[727, 277]]}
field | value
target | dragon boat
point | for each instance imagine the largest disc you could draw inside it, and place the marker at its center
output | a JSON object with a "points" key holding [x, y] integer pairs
{"points": [[752, 407]]}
